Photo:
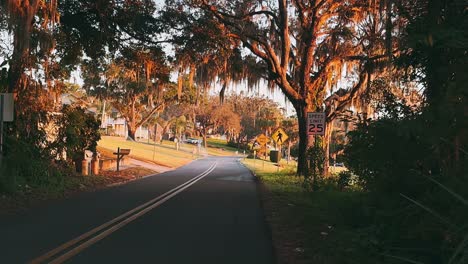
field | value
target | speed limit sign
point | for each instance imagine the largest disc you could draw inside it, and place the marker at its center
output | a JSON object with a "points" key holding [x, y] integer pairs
{"points": [[315, 123]]}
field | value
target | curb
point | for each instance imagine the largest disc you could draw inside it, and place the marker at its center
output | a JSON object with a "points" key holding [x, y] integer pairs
{"points": [[132, 180]]}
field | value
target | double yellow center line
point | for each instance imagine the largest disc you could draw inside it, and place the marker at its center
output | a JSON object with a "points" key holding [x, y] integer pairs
{"points": [[74, 246]]}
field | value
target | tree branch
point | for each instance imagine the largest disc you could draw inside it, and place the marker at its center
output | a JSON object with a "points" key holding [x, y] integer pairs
{"points": [[150, 114], [343, 100], [252, 14], [284, 29]]}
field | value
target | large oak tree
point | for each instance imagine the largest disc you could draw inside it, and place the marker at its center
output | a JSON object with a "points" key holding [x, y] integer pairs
{"points": [[305, 46], [134, 82]]}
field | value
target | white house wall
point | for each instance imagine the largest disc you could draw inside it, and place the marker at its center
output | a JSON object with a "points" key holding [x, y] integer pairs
{"points": [[119, 125]]}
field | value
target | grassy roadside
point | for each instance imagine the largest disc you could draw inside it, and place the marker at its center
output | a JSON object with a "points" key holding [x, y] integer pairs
{"points": [[312, 227]]}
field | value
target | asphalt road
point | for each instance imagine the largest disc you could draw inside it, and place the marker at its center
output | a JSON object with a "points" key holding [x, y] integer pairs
{"points": [[205, 212]]}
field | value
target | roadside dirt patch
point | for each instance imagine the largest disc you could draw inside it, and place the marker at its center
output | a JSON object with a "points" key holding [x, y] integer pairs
{"points": [[127, 174]]}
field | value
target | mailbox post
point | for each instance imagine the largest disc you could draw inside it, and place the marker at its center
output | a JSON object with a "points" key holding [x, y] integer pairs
{"points": [[95, 164], [120, 154], [86, 162]]}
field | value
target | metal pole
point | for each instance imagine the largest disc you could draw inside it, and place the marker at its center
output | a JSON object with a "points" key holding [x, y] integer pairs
{"points": [[154, 143], [2, 101], [103, 114], [255, 155], [265, 156], [118, 158]]}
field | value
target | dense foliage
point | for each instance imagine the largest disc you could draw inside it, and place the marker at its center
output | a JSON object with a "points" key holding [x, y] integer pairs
{"points": [[414, 164], [46, 163], [417, 195], [78, 131], [401, 65]]}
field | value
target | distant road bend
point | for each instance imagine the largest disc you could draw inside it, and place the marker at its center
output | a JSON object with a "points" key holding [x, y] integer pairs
{"points": [[205, 212]]}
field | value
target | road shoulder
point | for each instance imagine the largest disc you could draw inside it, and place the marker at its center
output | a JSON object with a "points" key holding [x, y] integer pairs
{"points": [[29, 197], [286, 237]]}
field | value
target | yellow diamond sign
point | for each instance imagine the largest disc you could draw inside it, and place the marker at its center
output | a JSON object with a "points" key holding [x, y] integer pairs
{"points": [[279, 136], [262, 140]]}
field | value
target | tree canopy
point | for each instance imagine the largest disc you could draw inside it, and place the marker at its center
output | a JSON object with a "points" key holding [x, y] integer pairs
{"points": [[307, 47]]}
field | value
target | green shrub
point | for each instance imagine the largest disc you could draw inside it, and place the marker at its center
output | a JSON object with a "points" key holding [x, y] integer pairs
{"points": [[33, 163], [28, 165], [346, 179], [409, 174], [386, 158], [78, 131], [240, 146]]}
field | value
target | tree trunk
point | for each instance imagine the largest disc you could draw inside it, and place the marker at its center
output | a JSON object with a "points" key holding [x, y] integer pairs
{"points": [[191, 75], [180, 81], [131, 124], [21, 43], [164, 131], [326, 146], [388, 30], [205, 144], [15, 73], [131, 130], [302, 165], [103, 112]]}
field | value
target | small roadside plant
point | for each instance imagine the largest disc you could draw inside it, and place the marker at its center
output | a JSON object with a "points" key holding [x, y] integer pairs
{"points": [[316, 157], [345, 180]]}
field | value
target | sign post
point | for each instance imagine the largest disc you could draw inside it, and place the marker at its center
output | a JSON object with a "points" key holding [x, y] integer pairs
{"points": [[154, 141], [255, 155], [279, 137], [262, 140], [6, 115], [1, 129]]}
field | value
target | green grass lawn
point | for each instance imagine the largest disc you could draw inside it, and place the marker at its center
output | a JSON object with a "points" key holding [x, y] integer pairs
{"points": [[215, 143], [312, 227], [165, 155], [262, 166], [216, 147]]}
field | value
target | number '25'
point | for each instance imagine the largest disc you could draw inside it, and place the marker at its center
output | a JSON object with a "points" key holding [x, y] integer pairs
{"points": [[315, 128]]}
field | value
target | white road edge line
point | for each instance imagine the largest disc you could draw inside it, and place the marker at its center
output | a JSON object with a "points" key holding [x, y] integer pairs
{"points": [[145, 208]]}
